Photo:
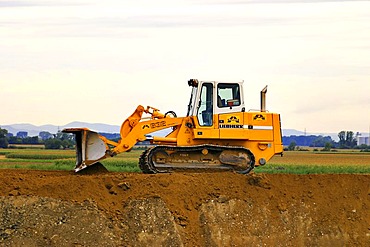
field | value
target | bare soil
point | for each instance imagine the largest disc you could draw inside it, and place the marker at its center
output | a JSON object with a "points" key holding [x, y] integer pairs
{"points": [[56, 208]]}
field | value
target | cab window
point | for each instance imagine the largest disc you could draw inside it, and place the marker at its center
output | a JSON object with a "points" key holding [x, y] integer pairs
{"points": [[205, 109], [228, 95]]}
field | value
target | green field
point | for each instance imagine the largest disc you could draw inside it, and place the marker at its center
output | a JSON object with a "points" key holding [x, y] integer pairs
{"points": [[296, 162], [310, 162]]}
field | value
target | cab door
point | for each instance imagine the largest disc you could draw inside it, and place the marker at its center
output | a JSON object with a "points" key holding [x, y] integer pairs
{"points": [[205, 128], [205, 107]]}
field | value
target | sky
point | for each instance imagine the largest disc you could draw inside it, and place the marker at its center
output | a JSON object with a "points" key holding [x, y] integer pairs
{"points": [[95, 61]]}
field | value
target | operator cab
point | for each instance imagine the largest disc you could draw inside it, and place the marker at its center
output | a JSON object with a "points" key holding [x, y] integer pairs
{"points": [[209, 98]]}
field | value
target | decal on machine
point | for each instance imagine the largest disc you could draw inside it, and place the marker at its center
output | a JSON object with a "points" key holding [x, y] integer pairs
{"points": [[233, 119], [232, 123], [259, 117]]}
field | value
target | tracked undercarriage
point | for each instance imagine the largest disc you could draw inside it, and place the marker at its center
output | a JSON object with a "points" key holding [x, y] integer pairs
{"points": [[161, 159]]}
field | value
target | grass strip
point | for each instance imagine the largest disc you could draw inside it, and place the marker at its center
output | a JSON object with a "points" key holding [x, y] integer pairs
{"points": [[47, 156], [26, 161], [121, 165]]}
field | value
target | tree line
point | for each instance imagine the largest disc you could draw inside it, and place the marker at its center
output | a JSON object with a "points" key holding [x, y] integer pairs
{"points": [[347, 140], [59, 140]]}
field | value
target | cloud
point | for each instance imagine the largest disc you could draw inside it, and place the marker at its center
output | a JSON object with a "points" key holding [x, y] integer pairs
{"points": [[272, 1], [20, 3], [113, 19]]}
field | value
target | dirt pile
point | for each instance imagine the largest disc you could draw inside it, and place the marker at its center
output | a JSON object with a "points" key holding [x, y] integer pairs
{"points": [[49, 208]]}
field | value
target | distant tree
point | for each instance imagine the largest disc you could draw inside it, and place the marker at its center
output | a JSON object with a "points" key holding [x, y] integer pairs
{"points": [[347, 139], [292, 146], [22, 134], [350, 139], [30, 140], [53, 143], [60, 140], [44, 135], [3, 139], [64, 136], [327, 147], [321, 141], [342, 138], [3, 132], [309, 140], [363, 147], [14, 140]]}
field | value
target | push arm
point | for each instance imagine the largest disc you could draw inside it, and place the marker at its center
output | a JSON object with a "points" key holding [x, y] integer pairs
{"points": [[134, 130]]}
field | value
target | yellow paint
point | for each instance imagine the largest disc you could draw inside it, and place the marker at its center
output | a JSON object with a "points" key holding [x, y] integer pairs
{"points": [[259, 132]]}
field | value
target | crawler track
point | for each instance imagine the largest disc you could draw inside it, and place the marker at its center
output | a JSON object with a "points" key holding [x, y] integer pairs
{"points": [[205, 157]]}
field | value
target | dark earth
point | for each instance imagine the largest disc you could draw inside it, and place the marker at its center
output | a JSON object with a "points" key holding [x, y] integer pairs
{"points": [[98, 208]]}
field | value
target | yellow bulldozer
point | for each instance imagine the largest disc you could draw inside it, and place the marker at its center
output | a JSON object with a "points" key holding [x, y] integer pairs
{"points": [[217, 133]]}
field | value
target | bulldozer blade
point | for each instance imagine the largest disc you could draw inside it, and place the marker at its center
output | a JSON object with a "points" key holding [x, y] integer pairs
{"points": [[90, 148]]}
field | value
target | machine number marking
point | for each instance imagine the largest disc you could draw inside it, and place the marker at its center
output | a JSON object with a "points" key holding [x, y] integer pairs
{"points": [[158, 124]]}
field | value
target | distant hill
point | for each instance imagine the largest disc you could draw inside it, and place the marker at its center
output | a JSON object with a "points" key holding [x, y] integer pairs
{"points": [[34, 130], [293, 132], [290, 132]]}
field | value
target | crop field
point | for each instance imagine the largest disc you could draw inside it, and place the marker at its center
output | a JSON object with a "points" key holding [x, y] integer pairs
{"points": [[310, 162], [296, 162]]}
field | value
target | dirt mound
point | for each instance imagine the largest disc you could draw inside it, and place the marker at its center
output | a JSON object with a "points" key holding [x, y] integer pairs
{"points": [[49, 208], [38, 221]]}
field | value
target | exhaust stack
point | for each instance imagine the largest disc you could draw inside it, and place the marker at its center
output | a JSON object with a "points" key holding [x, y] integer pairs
{"points": [[263, 99]]}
